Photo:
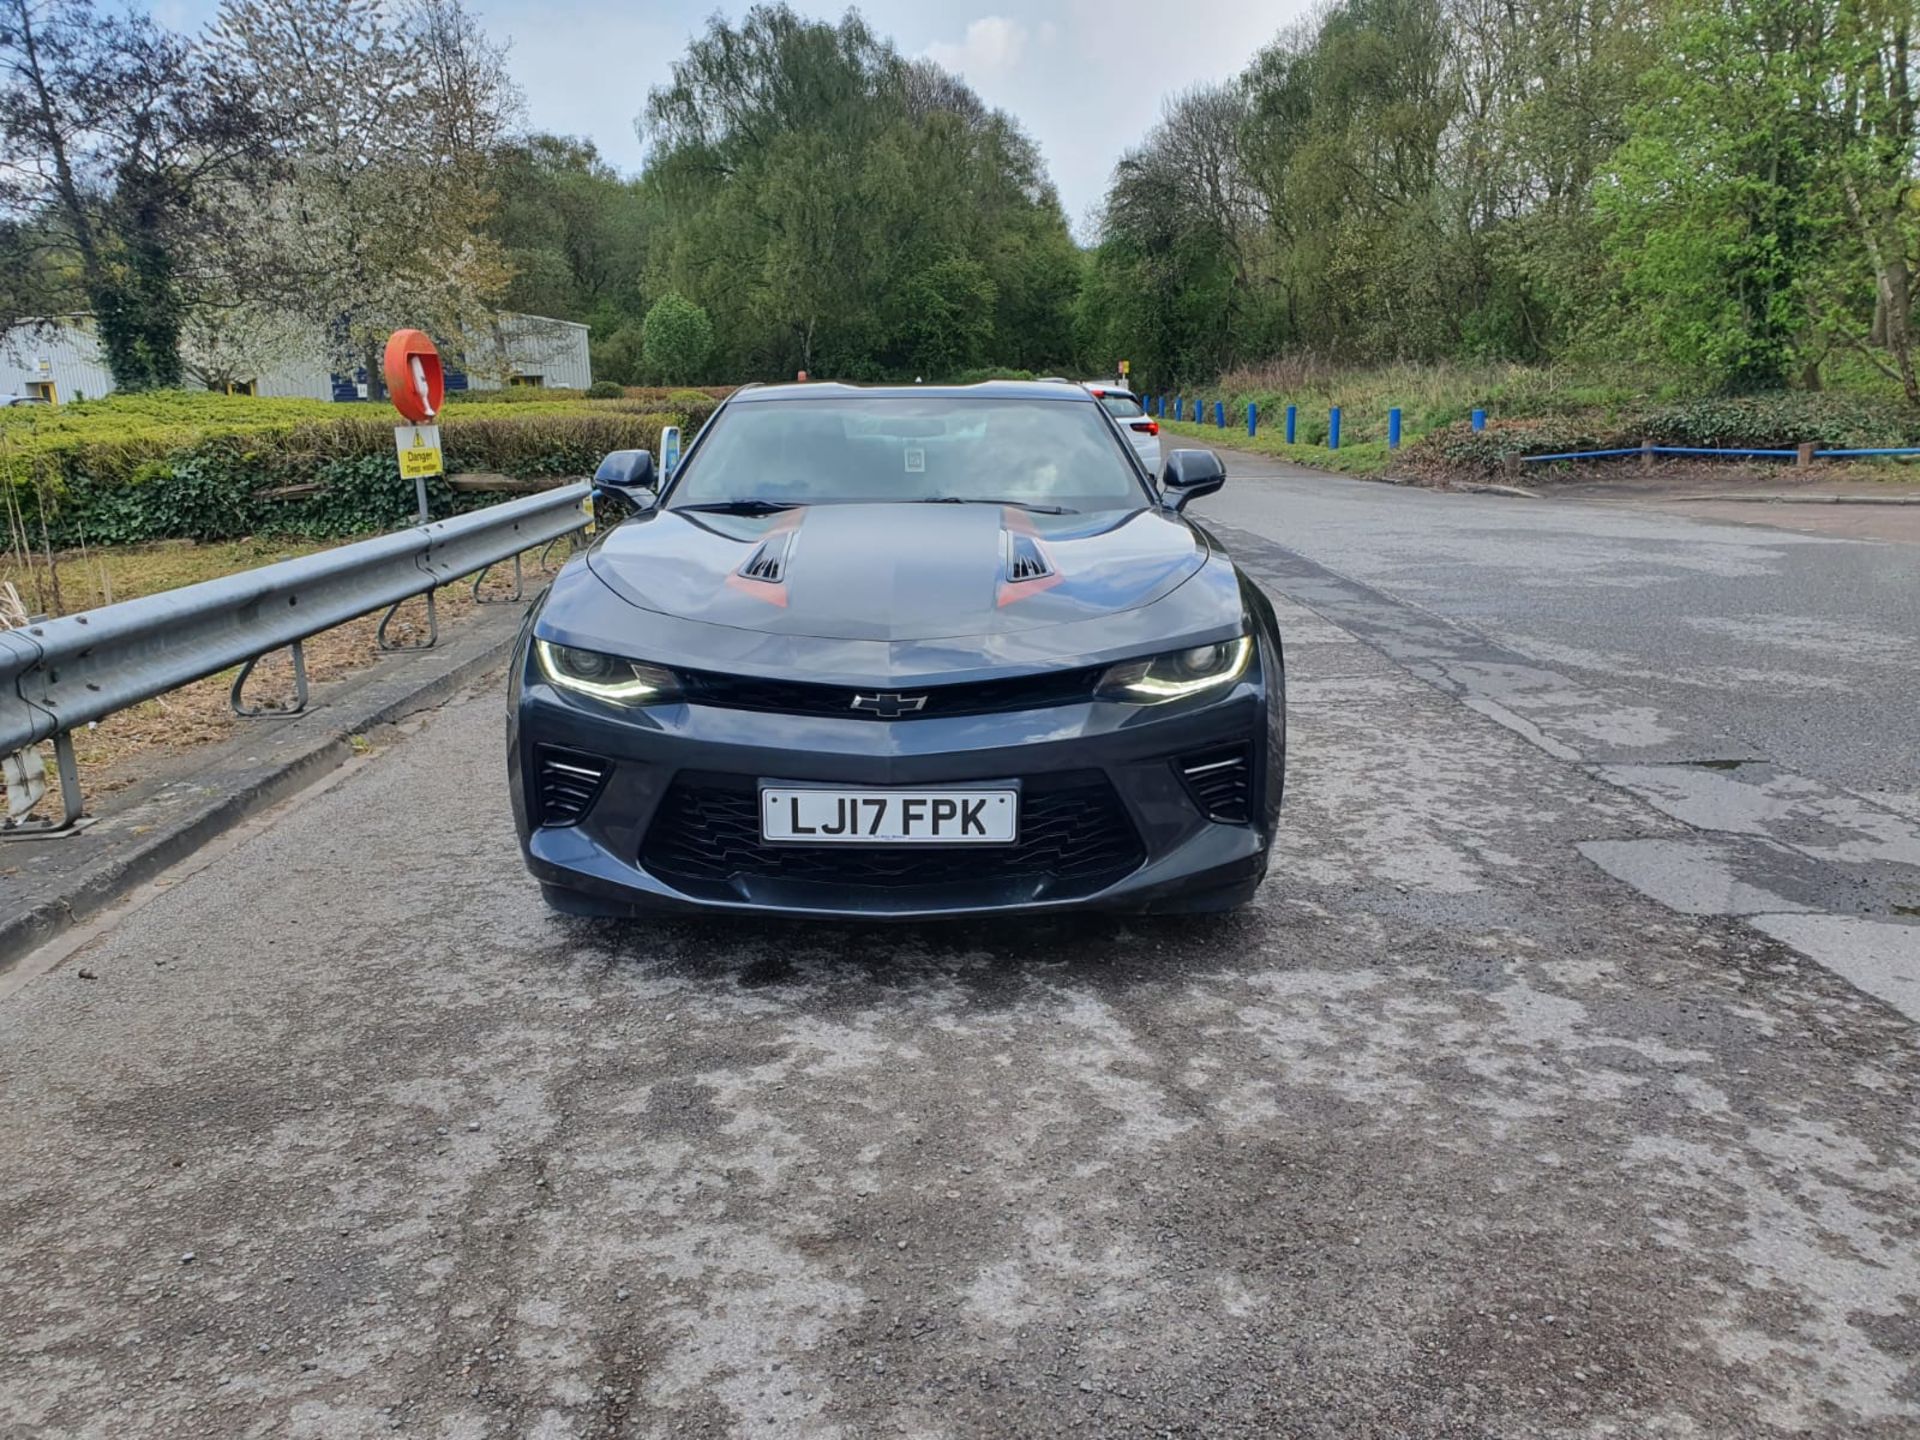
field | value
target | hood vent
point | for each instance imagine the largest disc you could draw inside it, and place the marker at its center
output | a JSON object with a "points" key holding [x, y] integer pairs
{"points": [[768, 563], [1025, 559]]}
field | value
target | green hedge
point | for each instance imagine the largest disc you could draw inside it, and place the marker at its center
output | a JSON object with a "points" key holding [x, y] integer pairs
{"points": [[98, 483]]}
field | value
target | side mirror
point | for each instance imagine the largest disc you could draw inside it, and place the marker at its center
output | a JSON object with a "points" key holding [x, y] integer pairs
{"points": [[1188, 475], [623, 485]]}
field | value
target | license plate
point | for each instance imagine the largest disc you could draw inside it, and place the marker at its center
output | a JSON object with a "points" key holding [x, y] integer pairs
{"points": [[890, 817]]}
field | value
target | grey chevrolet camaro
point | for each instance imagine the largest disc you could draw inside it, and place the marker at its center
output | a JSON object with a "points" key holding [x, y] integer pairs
{"points": [[899, 652]]}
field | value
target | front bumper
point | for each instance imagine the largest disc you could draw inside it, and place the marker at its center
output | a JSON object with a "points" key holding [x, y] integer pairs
{"points": [[1089, 773]]}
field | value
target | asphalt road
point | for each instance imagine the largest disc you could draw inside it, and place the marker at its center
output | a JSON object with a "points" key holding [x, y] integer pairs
{"points": [[1755, 683], [1803, 648], [1454, 1132]]}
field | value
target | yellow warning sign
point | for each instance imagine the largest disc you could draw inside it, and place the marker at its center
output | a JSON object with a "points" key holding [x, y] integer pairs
{"points": [[419, 447], [1126, 368]]}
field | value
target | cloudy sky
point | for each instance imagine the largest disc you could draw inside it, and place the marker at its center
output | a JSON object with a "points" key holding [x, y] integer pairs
{"points": [[1085, 77]]}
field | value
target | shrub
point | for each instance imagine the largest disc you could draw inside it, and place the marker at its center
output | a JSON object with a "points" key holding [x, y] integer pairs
{"points": [[515, 395], [608, 390], [140, 469], [677, 336]]}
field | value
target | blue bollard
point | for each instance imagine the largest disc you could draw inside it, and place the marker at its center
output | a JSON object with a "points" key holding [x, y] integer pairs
{"points": [[1252, 419], [1479, 419], [1333, 428], [1293, 415], [1393, 429], [1179, 406], [1219, 415]]}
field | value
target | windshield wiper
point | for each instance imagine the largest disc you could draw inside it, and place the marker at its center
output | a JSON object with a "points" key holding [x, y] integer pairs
{"points": [[743, 507], [1017, 504]]}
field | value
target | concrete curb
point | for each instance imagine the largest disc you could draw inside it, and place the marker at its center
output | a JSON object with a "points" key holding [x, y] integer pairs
{"points": [[1512, 490], [1794, 499], [70, 878]]}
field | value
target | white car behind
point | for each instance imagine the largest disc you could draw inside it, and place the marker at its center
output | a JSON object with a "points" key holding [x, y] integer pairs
{"points": [[1141, 429]]}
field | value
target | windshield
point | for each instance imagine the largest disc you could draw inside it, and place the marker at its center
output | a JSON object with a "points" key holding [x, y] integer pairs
{"points": [[1122, 407], [838, 449]]}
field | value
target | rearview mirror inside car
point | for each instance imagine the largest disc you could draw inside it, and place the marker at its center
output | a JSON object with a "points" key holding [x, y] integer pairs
{"points": [[623, 485], [1188, 475]]}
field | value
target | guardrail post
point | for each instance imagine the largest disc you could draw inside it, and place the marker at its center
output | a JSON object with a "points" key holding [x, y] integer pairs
{"points": [[1293, 416], [72, 802], [1333, 428], [1646, 454], [1252, 419], [1219, 414], [1803, 456], [1479, 419], [1393, 429], [1179, 404]]}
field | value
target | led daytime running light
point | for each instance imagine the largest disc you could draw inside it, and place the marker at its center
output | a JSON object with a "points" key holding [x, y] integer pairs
{"points": [[630, 690], [1152, 687]]}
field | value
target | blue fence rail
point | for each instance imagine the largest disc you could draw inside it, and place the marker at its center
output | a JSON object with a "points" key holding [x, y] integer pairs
{"points": [[1808, 452], [1194, 412]]}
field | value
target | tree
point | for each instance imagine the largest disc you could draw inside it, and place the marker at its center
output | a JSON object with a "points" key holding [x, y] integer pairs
{"points": [[809, 188], [575, 233], [679, 337], [1408, 179], [385, 132], [124, 150], [951, 308]]}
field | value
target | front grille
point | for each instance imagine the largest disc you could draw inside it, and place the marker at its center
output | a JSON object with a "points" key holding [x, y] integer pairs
{"points": [[1075, 838], [1221, 782], [986, 697], [569, 784]]}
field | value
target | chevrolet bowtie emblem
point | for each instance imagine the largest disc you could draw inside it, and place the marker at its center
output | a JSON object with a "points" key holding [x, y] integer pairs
{"points": [[889, 705]]}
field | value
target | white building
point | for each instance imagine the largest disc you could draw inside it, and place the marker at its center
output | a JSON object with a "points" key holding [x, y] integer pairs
{"points": [[60, 360]]}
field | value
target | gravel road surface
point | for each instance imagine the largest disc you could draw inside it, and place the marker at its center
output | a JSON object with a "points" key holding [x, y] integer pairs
{"points": [[1454, 1132]]}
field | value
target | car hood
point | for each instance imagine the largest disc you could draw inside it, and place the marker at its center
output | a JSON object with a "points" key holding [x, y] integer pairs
{"points": [[896, 572]]}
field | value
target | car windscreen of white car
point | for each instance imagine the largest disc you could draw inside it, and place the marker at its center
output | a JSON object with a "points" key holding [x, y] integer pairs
{"points": [[1044, 454]]}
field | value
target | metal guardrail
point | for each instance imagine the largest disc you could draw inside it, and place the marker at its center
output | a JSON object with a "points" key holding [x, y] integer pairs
{"points": [[59, 674]]}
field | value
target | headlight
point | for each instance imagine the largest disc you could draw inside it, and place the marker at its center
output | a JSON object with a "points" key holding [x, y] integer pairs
{"points": [[606, 677], [1178, 673]]}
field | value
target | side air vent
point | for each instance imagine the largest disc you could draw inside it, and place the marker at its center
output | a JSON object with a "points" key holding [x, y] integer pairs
{"points": [[768, 563], [1221, 782], [569, 784], [1025, 561]]}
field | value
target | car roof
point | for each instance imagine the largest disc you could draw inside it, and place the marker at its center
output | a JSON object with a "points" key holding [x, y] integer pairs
{"points": [[984, 390]]}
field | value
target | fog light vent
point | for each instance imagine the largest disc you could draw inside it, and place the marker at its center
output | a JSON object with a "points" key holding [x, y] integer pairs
{"points": [[1221, 782], [569, 784]]}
